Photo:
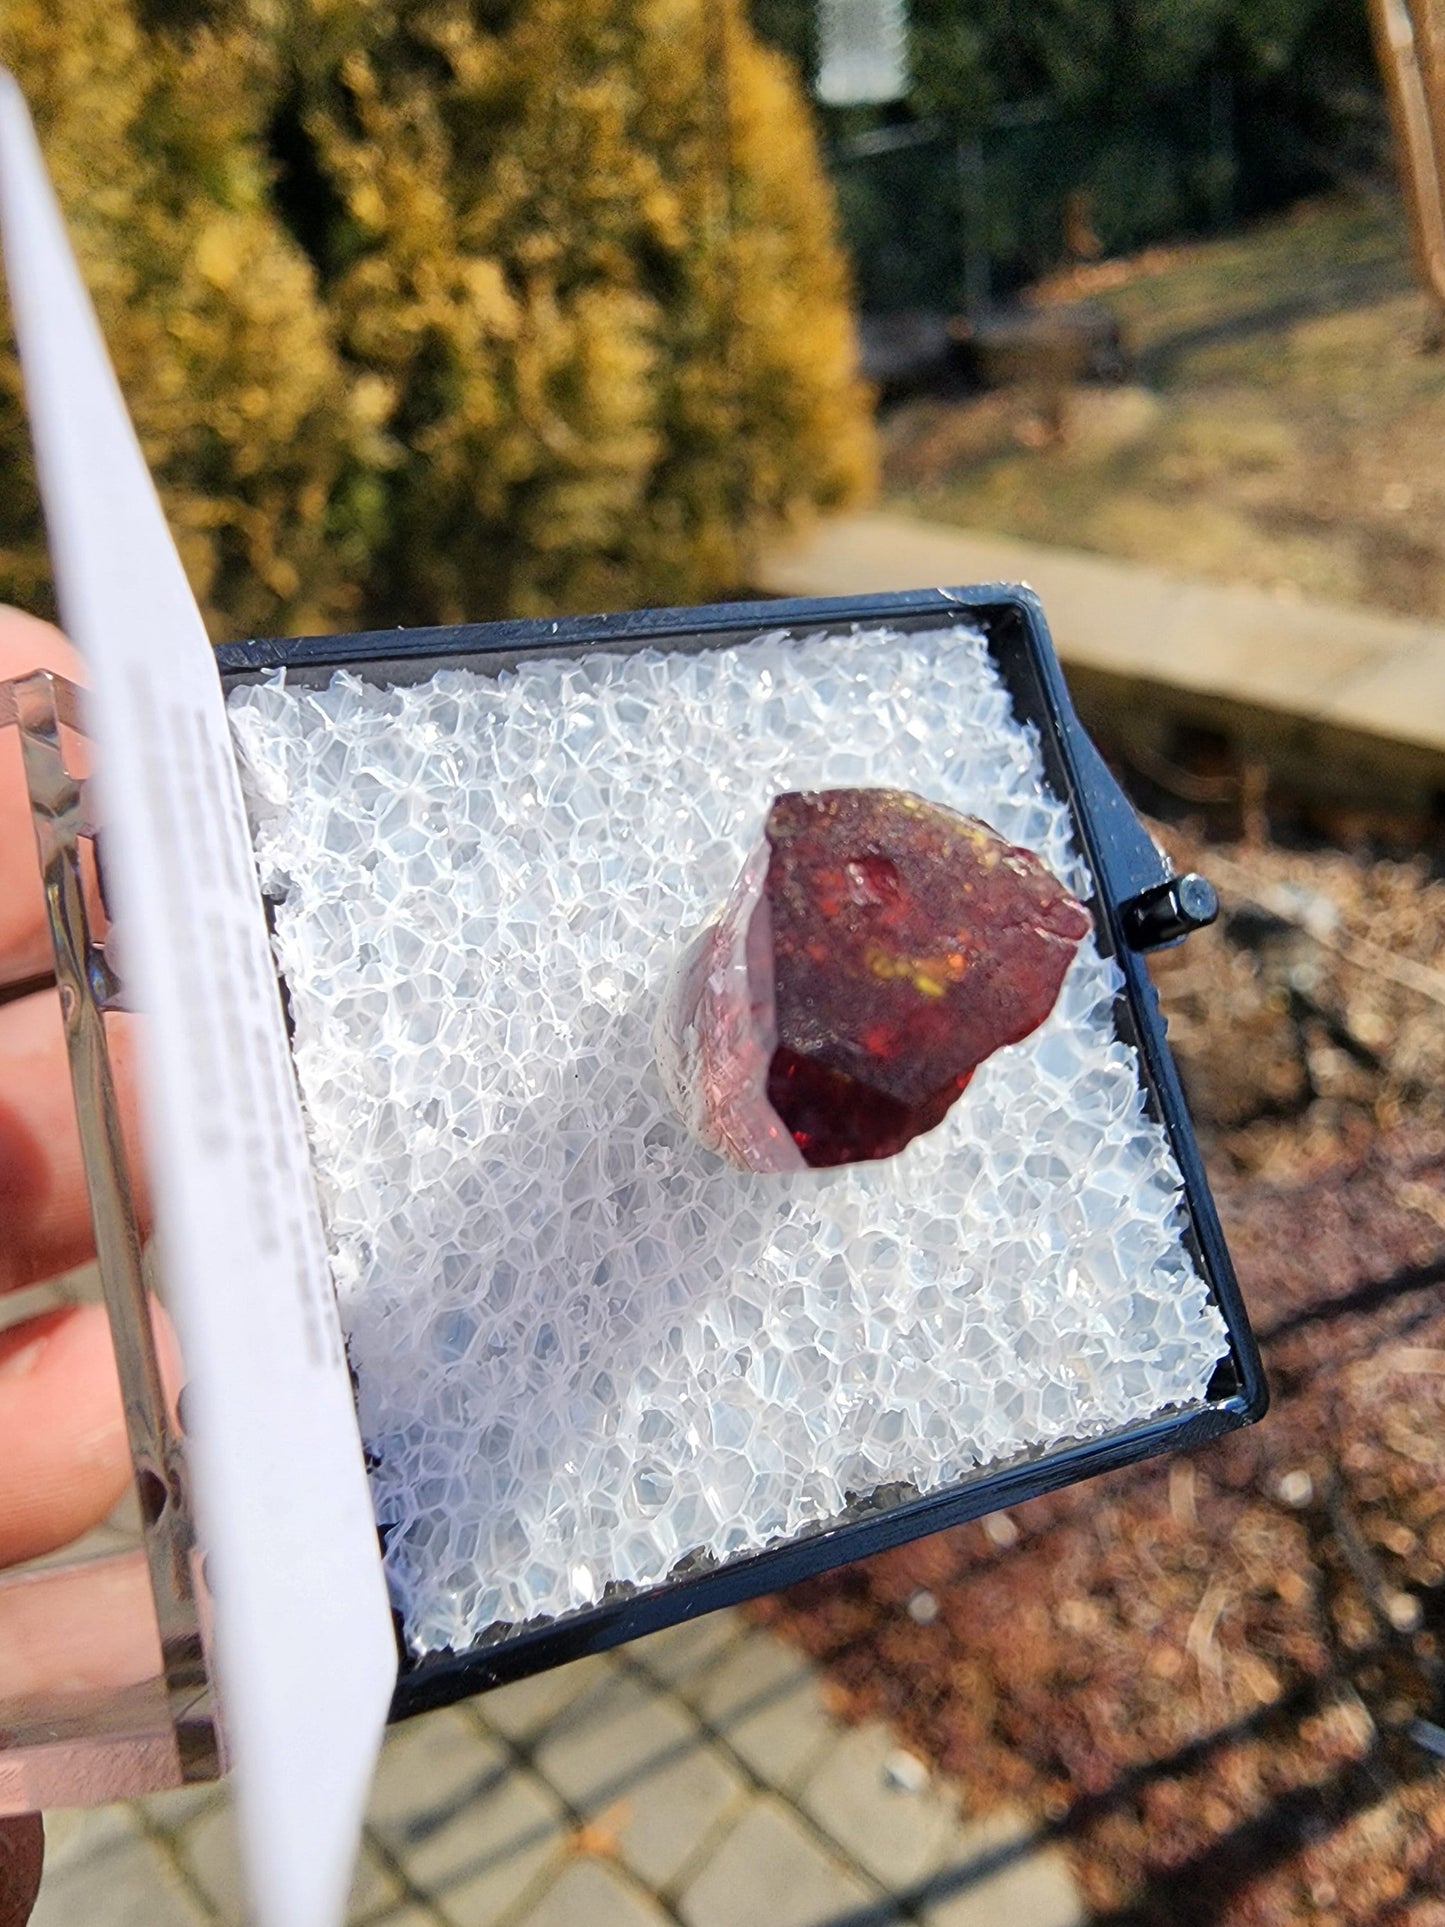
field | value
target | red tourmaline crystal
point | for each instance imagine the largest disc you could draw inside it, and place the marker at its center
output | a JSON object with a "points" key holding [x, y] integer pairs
{"points": [[875, 950]]}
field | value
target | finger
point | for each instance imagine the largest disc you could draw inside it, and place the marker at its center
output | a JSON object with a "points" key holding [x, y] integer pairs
{"points": [[85, 1629], [64, 1460], [44, 1210], [26, 644], [63, 1454], [22, 1846]]}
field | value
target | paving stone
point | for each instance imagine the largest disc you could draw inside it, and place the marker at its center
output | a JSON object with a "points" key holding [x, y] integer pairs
{"points": [[900, 1837], [427, 1766], [590, 1894], [170, 1811], [764, 1699], [679, 1655], [129, 1883], [460, 1817], [673, 1814], [374, 1887], [996, 1877], [623, 1727], [769, 1869], [78, 1833], [207, 1850], [519, 1711], [635, 1764]]}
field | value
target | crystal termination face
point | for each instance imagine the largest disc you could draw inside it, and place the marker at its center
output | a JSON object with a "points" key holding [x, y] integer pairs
{"points": [[585, 1347]]}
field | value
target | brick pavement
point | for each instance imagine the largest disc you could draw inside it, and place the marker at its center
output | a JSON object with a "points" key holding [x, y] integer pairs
{"points": [[694, 1779]]}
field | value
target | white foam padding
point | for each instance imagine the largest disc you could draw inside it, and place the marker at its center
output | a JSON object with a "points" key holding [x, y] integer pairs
{"points": [[586, 1348]]}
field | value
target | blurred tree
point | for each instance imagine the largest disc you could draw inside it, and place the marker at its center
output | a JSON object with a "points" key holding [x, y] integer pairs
{"points": [[452, 309], [209, 307], [590, 254], [966, 59], [1169, 115]]}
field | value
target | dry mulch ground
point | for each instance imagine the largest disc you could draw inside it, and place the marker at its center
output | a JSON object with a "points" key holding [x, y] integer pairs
{"points": [[1281, 425], [1221, 1679]]}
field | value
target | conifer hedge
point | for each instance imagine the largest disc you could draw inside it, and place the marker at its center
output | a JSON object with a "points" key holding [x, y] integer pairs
{"points": [[436, 311]]}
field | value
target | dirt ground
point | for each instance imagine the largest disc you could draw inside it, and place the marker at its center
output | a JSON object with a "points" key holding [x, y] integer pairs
{"points": [[1280, 425], [1220, 1679]]}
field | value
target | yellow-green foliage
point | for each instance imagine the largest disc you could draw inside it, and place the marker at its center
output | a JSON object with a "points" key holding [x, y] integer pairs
{"points": [[436, 311], [223, 349]]}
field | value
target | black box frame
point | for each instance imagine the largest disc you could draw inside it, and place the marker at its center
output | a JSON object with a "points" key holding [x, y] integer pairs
{"points": [[1125, 865]]}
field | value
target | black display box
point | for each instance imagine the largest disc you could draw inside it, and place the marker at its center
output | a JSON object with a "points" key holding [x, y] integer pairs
{"points": [[1139, 905]]}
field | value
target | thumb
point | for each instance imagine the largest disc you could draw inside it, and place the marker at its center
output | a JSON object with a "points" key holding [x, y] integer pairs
{"points": [[22, 1843]]}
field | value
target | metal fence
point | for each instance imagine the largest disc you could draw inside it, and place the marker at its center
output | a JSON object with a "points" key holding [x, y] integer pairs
{"points": [[938, 218]]}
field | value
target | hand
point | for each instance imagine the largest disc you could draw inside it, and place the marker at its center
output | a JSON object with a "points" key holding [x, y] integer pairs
{"points": [[63, 1455]]}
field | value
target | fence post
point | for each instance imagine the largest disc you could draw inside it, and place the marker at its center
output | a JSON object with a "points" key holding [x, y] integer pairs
{"points": [[1410, 47], [977, 265]]}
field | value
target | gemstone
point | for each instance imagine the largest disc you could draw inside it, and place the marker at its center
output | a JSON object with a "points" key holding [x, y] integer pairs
{"points": [[875, 950]]}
